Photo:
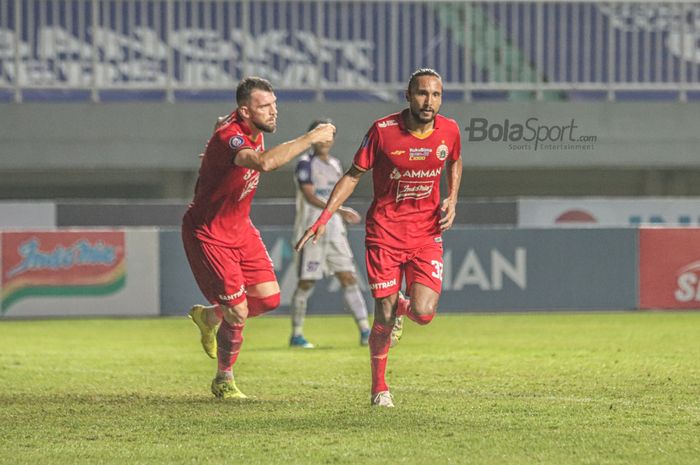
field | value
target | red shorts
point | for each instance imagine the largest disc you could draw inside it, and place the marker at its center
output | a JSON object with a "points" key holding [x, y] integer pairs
{"points": [[224, 273], [387, 268]]}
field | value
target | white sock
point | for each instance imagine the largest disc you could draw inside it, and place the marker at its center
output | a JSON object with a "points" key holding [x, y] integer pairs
{"points": [[298, 309], [356, 304]]}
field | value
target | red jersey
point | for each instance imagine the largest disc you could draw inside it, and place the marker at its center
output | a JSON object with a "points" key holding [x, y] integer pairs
{"points": [[405, 213], [220, 211]]}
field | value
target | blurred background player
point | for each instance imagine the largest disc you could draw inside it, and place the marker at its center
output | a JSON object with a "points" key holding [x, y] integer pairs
{"points": [[407, 152], [225, 251], [316, 173]]}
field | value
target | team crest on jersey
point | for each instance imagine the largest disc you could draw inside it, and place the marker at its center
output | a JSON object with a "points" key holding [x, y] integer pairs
{"points": [[235, 142], [304, 175], [442, 151]]}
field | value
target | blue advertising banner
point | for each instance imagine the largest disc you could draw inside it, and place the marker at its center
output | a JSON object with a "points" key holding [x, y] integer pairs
{"points": [[489, 269]]}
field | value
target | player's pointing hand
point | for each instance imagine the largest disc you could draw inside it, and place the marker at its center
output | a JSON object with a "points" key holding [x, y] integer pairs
{"points": [[312, 232]]}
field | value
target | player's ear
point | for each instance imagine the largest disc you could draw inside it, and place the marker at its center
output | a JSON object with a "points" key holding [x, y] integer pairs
{"points": [[407, 94], [244, 110]]}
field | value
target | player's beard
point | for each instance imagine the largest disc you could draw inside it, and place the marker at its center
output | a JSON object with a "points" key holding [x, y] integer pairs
{"points": [[265, 127], [418, 117]]}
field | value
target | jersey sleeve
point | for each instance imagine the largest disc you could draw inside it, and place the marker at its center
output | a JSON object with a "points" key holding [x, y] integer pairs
{"points": [[302, 173], [366, 155], [237, 142], [233, 141]]}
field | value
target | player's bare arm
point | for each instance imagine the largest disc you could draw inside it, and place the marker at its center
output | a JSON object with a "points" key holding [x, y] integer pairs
{"points": [[271, 159], [348, 214], [341, 192], [449, 204]]}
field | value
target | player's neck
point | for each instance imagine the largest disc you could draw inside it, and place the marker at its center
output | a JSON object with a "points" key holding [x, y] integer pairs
{"points": [[323, 155]]}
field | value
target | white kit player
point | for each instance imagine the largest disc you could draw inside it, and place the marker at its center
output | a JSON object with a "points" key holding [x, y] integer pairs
{"points": [[316, 174]]}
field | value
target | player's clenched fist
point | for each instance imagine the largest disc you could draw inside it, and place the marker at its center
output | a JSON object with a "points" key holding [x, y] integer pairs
{"points": [[322, 134]]}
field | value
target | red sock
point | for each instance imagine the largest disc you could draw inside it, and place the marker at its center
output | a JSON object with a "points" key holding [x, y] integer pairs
{"points": [[402, 306], [229, 339], [259, 305], [379, 341], [421, 319]]}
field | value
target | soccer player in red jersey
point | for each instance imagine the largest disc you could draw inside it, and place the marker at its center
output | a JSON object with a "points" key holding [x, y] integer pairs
{"points": [[407, 152], [225, 252]]}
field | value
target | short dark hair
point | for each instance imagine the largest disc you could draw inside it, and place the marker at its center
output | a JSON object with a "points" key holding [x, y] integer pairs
{"points": [[422, 72], [320, 121], [248, 85]]}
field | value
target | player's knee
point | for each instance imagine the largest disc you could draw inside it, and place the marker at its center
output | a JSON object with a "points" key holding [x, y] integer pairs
{"points": [[236, 314], [347, 279], [422, 313], [423, 318], [383, 311], [270, 302], [306, 284]]}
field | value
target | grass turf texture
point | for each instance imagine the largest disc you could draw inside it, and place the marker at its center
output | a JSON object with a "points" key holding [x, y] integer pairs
{"points": [[560, 389]]}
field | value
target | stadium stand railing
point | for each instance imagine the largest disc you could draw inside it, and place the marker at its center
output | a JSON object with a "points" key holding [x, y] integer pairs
{"points": [[329, 49]]}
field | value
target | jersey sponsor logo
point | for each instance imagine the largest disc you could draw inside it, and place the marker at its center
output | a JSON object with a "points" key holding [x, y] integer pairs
{"points": [[413, 190], [412, 174], [418, 154], [397, 152], [234, 296], [442, 151], [387, 123], [235, 142], [252, 179], [384, 285]]}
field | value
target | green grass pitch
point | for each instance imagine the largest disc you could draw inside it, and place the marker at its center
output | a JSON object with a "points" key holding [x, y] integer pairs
{"points": [[560, 389]]}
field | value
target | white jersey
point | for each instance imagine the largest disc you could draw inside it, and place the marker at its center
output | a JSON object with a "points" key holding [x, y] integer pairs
{"points": [[322, 174]]}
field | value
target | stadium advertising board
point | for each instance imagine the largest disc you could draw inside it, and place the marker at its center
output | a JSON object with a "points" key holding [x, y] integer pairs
{"points": [[545, 269], [62, 273], [484, 269], [669, 268], [607, 212]]}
